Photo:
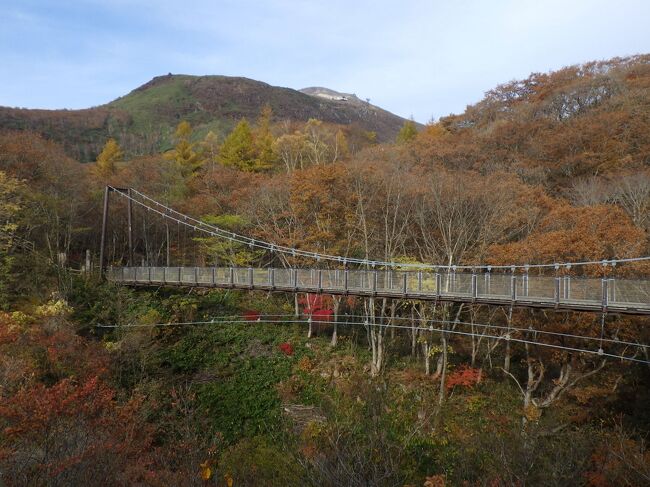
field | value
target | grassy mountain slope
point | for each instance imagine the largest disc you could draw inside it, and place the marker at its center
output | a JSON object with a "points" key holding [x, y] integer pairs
{"points": [[144, 119]]}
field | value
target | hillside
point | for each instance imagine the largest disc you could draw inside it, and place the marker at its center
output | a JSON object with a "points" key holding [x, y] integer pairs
{"points": [[555, 128], [154, 385], [143, 119], [327, 94]]}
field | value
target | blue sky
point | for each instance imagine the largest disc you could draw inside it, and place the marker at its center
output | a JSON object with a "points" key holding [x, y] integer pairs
{"points": [[424, 59]]}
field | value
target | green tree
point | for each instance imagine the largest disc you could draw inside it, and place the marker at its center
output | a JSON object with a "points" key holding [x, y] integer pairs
{"points": [[220, 250], [238, 150], [107, 159], [408, 132]]}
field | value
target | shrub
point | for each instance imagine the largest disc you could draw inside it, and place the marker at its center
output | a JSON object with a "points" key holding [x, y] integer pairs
{"points": [[286, 348], [464, 376]]}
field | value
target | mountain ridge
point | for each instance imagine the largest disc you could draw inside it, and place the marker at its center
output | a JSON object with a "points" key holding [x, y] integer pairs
{"points": [[143, 119]]}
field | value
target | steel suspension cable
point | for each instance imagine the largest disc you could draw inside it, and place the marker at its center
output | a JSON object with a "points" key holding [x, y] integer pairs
{"points": [[366, 323], [215, 231]]}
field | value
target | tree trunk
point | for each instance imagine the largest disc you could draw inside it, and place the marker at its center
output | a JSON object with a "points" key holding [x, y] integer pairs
{"points": [[506, 361], [427, 358], [393, 306], [168, 254], [414, 332], [443, 375], [377, 331], [337, 304]]}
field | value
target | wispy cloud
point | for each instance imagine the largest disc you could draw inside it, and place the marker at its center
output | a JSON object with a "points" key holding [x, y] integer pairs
{"points": [[423, 58]]}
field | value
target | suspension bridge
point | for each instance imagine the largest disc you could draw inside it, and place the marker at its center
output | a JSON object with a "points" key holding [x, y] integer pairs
{"points": [[549, 286], [608, 288]]}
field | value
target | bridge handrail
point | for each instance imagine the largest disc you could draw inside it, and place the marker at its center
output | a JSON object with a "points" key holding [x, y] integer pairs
{"points": [[584, 293]]}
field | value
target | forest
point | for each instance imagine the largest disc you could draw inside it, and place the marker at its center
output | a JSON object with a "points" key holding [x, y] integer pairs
{"points": [[552, 168]]}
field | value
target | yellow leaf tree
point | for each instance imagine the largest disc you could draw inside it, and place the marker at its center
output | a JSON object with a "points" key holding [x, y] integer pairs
{"points": [[266, 154], [185, 152], [109, 157], [10, 208]]}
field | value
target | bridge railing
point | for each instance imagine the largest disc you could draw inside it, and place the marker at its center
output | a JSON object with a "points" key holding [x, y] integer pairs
{"points": [[628, 291], [590, 292]]}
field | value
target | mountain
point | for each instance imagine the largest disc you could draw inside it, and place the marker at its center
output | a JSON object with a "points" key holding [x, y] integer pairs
{"points": [[327, 94], [143, 120]]}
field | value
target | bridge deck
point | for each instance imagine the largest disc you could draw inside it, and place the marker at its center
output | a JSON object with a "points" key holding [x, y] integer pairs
{"points": [[629, 296]]}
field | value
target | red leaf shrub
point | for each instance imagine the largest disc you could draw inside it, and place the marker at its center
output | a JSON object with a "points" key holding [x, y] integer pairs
{"points": [[322, 315], [286, 348], [252, 315], [312, 303], [464, 376]]}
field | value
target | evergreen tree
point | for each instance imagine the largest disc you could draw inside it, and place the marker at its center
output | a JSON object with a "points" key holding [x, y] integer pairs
{"points": [[238, 150]]}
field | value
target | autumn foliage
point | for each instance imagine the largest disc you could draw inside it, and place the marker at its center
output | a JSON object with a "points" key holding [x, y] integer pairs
{"points": [[464, 376], [568, 234], [547, 169], [286, 348], [60, 421]]}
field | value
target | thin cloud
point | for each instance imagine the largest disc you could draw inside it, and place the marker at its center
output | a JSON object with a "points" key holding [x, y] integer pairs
{"points": [[420, 58]]}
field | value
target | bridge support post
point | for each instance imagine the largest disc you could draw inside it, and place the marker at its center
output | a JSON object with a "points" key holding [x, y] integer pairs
{"points": [[129, 210], [345, 281], [214, 277], [488, 279], [557, 286], [250, 277], [605, 300], [438, 285], [272, 278], [231, 277], [320, 280], [526, 280], [374, 282], [102, 244], [474, 287], [420, 281], [612, 283], [404, 283]]}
